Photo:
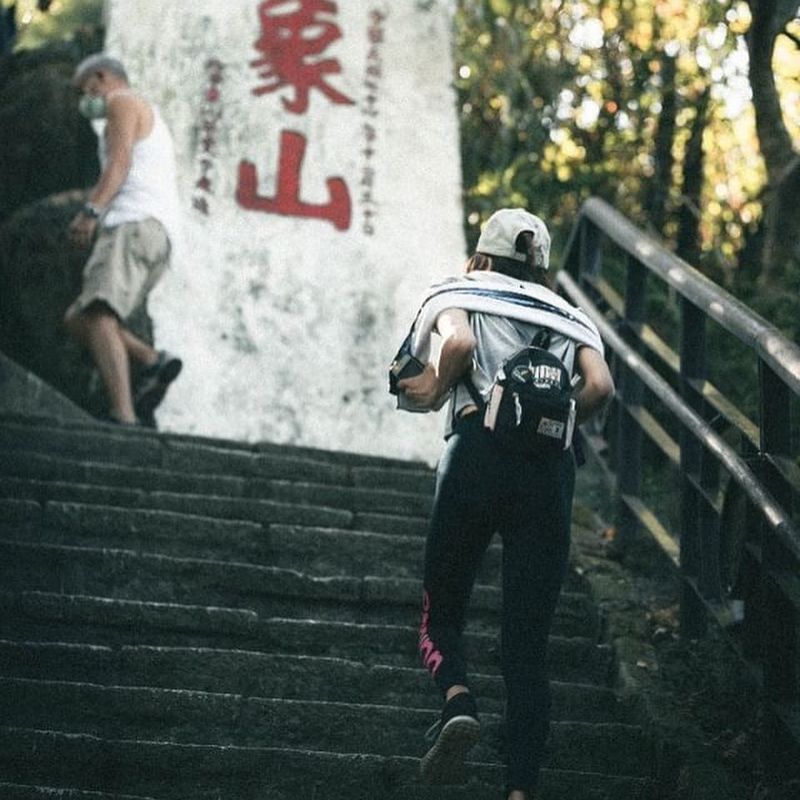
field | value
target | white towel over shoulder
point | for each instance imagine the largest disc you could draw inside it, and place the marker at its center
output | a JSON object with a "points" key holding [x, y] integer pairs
{"points": [[495, 293]]}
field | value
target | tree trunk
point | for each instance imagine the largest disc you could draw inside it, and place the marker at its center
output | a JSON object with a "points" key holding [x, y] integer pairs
{"points": [[781, 230], [688, 244], [658, 190]]}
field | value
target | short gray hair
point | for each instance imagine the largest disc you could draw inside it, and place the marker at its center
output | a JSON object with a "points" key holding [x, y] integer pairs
{"points": [[96, 63]]}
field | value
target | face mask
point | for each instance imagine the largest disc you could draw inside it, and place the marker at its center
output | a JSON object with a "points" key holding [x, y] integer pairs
{"points": [[92, 106]]}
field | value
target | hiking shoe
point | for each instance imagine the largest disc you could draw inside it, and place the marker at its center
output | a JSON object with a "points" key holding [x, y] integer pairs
{"points": [[454, 735], [153, 383]]}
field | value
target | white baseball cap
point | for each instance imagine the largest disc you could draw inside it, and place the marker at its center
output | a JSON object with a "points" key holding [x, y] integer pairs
{"points": [[499, 236]]}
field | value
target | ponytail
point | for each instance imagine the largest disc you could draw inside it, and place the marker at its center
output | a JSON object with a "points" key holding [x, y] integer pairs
{"points": [[527, 270]]}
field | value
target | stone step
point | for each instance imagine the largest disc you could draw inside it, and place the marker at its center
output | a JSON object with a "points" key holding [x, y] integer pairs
{"points": [[352, 498], [159, 641], [399, 524], [236, 507], [175, 771], [292, 677], [321, 550], [14, 791], [270, 591], [264, 512], [177, 715], [52, 617], [47, 429], [158, 452], [176, 454], [281, 488], [40, 467]]}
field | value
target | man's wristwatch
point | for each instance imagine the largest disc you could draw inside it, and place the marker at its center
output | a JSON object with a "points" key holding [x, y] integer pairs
{"points": [[92, 211]]}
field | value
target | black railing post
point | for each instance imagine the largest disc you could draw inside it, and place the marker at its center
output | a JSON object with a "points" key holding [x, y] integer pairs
{"points": [[710, 576], [779, 639], [693, 367], [591, 251], [628, 456]]}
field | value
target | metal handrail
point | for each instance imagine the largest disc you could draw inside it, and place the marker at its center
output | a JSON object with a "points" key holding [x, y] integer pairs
{"points": [[782, 355], [738, 469], [764, 471]]}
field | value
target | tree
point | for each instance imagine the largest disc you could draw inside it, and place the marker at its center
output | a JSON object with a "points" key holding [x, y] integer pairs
{"points": [[770, 19], [647, 104]]}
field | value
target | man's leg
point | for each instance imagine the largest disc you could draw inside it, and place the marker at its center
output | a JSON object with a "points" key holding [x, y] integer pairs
{"points": [[98, 329], [138, 350]]}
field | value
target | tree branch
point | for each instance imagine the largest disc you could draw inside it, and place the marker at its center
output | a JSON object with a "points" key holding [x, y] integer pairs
{"points": [[793, 36]]}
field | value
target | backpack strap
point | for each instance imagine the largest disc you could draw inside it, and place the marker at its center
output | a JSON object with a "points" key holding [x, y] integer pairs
{"points": [[541, 339], [473, 390]]}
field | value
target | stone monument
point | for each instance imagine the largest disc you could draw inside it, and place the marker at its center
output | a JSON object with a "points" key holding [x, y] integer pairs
{"points": [[321, 185]]}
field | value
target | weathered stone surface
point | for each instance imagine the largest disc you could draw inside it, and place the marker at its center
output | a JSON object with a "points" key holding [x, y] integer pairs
{"points": [[391, 523], [79, 614], [177, 453], [270, 591], [175, 770], [264, 512], [254, 674], [44, 490], [345, 497], [420, 481], [19, 514], [167, 618], [38, 466], [10, 791], [338, 727], [103, 443], [49, 616], [22, 392]]}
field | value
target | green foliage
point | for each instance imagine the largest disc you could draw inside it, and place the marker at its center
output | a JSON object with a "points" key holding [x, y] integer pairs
{"points": [[63, 20], [562, 99]]}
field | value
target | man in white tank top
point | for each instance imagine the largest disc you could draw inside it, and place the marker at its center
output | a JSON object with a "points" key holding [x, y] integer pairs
{"points": [[130, 217]]}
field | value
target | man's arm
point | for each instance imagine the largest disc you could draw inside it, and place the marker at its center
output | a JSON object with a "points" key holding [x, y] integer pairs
{"points": [[430, 387], [597, 385], [120, 133]]}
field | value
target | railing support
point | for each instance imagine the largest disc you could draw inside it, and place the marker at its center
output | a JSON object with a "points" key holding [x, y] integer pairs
{"points": [[591, 251], [629, 434], [779, 645], [693, 367]]}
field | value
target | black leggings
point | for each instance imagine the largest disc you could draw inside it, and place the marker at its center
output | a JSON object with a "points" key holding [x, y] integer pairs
{"points": [[481, 490]]}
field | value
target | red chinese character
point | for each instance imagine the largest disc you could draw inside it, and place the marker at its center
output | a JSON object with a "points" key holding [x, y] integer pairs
{"points": [[289, 40], [287, 193]]}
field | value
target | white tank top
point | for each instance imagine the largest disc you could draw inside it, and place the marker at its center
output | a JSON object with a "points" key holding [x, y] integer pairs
{"points": [[150, 188]]}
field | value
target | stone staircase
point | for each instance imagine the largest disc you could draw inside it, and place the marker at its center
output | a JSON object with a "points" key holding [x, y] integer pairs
{"points": [[192, 618]]}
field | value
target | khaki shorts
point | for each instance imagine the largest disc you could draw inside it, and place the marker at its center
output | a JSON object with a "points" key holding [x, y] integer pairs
{"points": [[126, 262]]}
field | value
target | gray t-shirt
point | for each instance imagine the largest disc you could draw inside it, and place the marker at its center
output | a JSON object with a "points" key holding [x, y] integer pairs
{"points": [[496, 339]]}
